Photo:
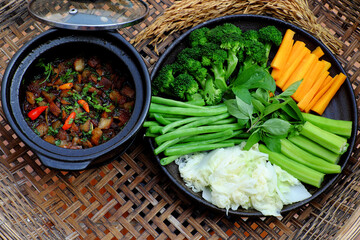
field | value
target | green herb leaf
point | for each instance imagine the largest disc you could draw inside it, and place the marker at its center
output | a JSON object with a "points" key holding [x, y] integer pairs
{"points": [[246, 109], [290, 90], [234, 110], [261, 95], [273, 144], [39, 99], [36, 131], [258, 106], [242, 93], [276, 126], [255, 77], [254, 138], [52, 131], [274, 107]]}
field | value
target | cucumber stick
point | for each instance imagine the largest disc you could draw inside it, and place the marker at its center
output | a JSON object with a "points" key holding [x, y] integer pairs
{"points": [[331, 141], [338, 127], [301, 156], [314, 148], [298, 170]]}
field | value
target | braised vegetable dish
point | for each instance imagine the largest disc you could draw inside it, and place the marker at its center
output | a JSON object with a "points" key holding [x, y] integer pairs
{"points": [[78, 103]]}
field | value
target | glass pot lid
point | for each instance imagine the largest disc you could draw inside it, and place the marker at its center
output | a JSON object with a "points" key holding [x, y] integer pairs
{"points": [[88, 14]]}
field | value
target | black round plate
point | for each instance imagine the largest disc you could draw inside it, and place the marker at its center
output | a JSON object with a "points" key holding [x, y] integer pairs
{"points": [[342, 106]]}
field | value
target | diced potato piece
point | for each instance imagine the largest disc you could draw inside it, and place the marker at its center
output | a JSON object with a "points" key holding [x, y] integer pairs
{"points": [[42, 129], [54, 109], [85, 74], [62, 134], [86, 144], [95, 136], [30, 97], [56, 124], [129, 105], [117, 98], [79, 64], [128, 91], [49, 139], [85, 126], [48, 96], [105, 123], [93, 62]]}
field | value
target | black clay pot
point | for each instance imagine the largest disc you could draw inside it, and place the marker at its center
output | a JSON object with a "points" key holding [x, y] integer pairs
{"points": [[64, 43]]}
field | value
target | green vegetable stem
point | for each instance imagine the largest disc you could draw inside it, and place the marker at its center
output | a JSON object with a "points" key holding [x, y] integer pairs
{"points": [[301, 156], [182, 150], [298, 170], [338, 127], [326, 139], [314, 148], [205, 111], [195, 131]]}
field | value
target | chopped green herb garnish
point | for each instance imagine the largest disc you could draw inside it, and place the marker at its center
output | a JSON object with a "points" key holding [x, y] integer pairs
{"points": [[52, 131], [36, 131], [68, 77], [48, 70], [39, 99]]}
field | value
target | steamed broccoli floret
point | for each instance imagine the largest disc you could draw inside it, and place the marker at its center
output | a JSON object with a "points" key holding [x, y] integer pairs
{"points": [[215, 57], [233, 43], [231, 28], [185, 86], [255, 53], [163, 82], [270, 35], [189, 52], [198, 36], [251, 35], [228, 37], [189, 60], [200, 75], [189, 64], [217, 34]]}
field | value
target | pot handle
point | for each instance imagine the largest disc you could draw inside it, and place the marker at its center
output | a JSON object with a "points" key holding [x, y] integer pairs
{"points": [[61, 165]]}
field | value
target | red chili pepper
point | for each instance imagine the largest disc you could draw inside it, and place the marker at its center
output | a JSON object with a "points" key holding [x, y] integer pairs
{"points": [[84, 104], [35, 113], [66, 86], [69, 121]]}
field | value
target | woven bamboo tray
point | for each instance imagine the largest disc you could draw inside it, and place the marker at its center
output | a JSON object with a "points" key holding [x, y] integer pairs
{"points": [[130, 198]]}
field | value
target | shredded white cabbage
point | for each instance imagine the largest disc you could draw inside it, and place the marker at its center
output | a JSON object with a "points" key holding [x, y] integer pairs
{"points": [[231, 178]]}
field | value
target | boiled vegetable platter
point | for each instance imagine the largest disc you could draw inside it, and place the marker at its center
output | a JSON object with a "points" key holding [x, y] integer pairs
{"points": [[343, 105]]}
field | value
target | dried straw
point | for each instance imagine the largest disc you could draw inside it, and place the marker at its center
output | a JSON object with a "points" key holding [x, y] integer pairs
{"points": [[189, 13]]}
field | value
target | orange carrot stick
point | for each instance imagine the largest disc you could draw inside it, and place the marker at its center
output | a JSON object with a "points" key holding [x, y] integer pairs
{"points": [[276, 72], [324, 101], [310, 94], [283, 52], [325, 86], [318, 52], [296, 49], [301, 70], [291, 66], [326, 67], [309, 79]]}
